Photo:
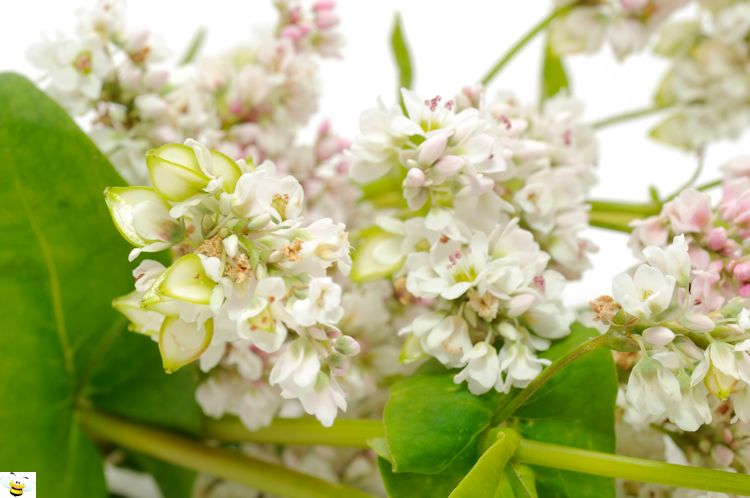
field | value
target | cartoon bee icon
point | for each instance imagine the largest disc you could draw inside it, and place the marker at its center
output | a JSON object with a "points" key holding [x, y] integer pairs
{"points": [[17, 484]]}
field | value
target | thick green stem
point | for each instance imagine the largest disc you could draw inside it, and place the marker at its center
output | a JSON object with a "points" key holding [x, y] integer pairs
{"points": [[616, 221], [635, 469], [548, 373], [709, 185], [624, 207], [350, 433], [520, 44], [191, 454], [627, 116]]}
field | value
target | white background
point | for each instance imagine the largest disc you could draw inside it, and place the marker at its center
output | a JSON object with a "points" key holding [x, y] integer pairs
{"points": [[453, 43]]}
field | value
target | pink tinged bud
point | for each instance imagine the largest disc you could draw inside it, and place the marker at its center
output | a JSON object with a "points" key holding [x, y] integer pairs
{"points": [[324, 5], [520, 304], [697, 322], [449, 166], [235, 107], [717, 239], [326, 19], [689, 212], [293, 32], [723, 455], [432, 148], [415, 178], [745, 290], [658, 336], [742, 272]]}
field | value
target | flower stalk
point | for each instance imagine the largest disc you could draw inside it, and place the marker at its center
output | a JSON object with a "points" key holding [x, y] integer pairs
{"points": [[348, 433], [628, 116], [509, 408], [184, 452], [522, 42], [636, 469]]}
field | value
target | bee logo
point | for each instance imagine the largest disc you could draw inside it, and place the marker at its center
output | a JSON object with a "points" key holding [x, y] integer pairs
{"points": [[17, 484]]}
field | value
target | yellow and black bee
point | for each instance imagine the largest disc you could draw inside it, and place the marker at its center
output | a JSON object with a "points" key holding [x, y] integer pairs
{"points": [[17, 484]]}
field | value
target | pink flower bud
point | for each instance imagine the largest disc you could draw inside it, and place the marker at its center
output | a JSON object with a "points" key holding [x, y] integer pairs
{"points": [[326, 20], [745, 290], [448, 166], [742, 272], [689, 212], [415, 178], [717, 239], [323, 5], [432, 148], [293, 32]]}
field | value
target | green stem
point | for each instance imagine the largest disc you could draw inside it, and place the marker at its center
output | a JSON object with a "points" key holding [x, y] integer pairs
{"points": [[627, 116], [350, 433], [709, 185], [225, 464], [525, 39], [636, 469], [693, 178], [624, 207], [548, 373], [616, 221], [196, 43]]}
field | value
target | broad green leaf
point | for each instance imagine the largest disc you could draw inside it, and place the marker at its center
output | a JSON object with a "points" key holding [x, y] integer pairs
{"points": [[401, 54], [554, 74], [522, 480], [61, 264], [576, 408], [409, 485], [484, 479], [432, 425]]}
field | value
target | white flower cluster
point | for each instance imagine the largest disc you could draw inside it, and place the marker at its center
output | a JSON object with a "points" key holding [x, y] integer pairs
{"points": [[708, 82], [456, 241], [251, 101], [690, 353], [248, 273], [627, 25]]}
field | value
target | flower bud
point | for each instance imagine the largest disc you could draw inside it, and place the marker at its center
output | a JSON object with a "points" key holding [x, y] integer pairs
{"points": [[697, 322], [432, 148], [717, 238], [742, 271], [346, 345], [658, 336]]}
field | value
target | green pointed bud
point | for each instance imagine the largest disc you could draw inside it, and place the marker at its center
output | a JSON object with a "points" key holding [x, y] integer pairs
{"points": [[175, 172], [411, 351], [141, 321], [186, 280], [378, 255], [182, 342], [142, 217]]}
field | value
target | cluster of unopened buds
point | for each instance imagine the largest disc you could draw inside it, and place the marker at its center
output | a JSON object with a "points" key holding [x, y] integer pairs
{"points": [[250, 284], [482, 231], [685, 307]]}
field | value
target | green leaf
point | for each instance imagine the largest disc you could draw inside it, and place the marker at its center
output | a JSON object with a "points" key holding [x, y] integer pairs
{"points": [[673, 131], [410, 485], [521, 478], [554, 75], [61, 263], [432, 425], [401, 54], [575, 408]]}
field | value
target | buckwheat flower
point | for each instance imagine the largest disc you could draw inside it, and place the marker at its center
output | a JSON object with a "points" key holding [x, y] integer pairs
{"points": [[673, 261], [719, 370], [443, 336], [652, 388], [322, 304], [692, 410], [482, 369], [518, 363], [648, 292], [689, 212], [75, 70]]}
